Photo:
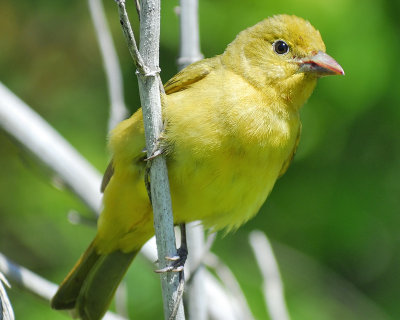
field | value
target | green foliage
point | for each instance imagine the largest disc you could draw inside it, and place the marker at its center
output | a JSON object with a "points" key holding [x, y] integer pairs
{"points": [[334, 217]]}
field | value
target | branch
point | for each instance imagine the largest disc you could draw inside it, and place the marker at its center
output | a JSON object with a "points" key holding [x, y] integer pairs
{"points": [[272, 282], [6, 310], [147, 61], [38, 137], [130, 40], [35, 284], [189, 33], [118, 110], [189, 53], [222, 302], [238, 300], [195, 294]]}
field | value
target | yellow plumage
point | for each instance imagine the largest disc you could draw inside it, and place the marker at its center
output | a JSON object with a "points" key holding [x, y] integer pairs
{"points": [[232, 127]]}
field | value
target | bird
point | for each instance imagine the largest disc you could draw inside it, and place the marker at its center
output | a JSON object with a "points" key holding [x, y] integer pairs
{"points": [[231, 129]]}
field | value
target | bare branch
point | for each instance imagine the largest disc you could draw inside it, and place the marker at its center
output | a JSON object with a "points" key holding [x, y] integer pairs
{"points": [[6, 310], [121, 299], [189, 33], [147, 61], [137, 5], [118, 110], [131, 42], [27, 279], [189, 53], [38, 137], [238, 300], [35, 284], [272, 284], [222, 304], [195, 293]]}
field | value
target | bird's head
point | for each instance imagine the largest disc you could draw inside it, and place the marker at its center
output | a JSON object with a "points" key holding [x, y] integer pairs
{"points": [[281, 51]]}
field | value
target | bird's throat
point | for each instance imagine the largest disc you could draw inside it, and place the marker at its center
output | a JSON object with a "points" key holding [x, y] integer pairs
{"points": [[296, 90]]}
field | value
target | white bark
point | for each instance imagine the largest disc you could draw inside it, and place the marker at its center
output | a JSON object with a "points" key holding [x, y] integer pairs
{"points": [[190, 52], [34, 283], [118, 110], [189, 33], [272, 282], [6, 310], [38, 137]]}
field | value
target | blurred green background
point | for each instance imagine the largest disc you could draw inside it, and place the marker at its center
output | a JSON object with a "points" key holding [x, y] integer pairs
{"points": [[333, 218]]}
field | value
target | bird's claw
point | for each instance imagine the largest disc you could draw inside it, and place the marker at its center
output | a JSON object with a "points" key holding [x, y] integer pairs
{"points": [[177, 262], [154, 155]]}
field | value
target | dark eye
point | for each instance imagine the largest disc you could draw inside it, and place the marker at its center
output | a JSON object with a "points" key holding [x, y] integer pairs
{"points": [[280, 47]]}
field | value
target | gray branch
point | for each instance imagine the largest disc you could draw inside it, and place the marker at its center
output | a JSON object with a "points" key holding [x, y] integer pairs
{"points": [[190, 52], [232, 287], [130, 40], [118, 110], [6, 310], [147, 62], [272, 282], [189, 33], [38, 137], [35, 284]]}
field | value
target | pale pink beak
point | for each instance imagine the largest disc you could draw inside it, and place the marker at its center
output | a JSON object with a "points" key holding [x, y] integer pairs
{"points": [[321, 64]]}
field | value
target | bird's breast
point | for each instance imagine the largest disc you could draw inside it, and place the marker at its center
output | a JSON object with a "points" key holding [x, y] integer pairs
{"points": [[224, 178], [226, 145]]}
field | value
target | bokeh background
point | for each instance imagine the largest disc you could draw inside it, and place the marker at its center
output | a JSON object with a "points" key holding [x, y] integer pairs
{"points": [[333, 218]]}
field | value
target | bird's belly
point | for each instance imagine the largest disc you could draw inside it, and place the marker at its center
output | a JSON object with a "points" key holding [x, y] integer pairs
{"points": [[224, 191]]}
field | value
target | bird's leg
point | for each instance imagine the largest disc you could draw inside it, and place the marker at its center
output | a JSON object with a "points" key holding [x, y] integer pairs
{"points": [[177, 262], [147, 180], [157, 151]]}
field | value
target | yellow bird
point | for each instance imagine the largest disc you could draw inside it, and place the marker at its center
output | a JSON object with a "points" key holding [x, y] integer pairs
{"points": [[232, 128]]}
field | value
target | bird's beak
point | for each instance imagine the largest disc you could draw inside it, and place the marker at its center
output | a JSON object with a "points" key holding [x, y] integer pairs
{"points": [[320, 64]]}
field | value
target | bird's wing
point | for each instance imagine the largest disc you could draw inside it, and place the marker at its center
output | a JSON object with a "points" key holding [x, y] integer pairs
{"points": [[181, 81], [107, 176], [190, 75], [288, 161]]}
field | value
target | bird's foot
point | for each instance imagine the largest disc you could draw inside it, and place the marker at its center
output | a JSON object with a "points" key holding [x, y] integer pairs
{"points": [[177, 262], [158, 148]]}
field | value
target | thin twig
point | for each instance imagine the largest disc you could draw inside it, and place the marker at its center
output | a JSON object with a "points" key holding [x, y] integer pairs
{"points": [[118, 110], [6, 310], [196, 299], [189, 53], [46, 144], [137, 5], [200, 252], [121, 299], [189, 33], [131, 42], [35, 284], [272, 282], [180, 290], [233, 287]]}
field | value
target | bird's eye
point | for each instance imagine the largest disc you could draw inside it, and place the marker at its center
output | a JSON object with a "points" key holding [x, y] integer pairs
{"points": [[280, 47]]}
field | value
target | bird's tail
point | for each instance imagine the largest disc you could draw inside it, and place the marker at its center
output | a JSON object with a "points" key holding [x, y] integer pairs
{"points": [[91, 284]]}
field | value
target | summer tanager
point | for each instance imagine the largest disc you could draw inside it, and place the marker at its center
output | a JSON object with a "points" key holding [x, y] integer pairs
{"points": [[232, 128]]}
